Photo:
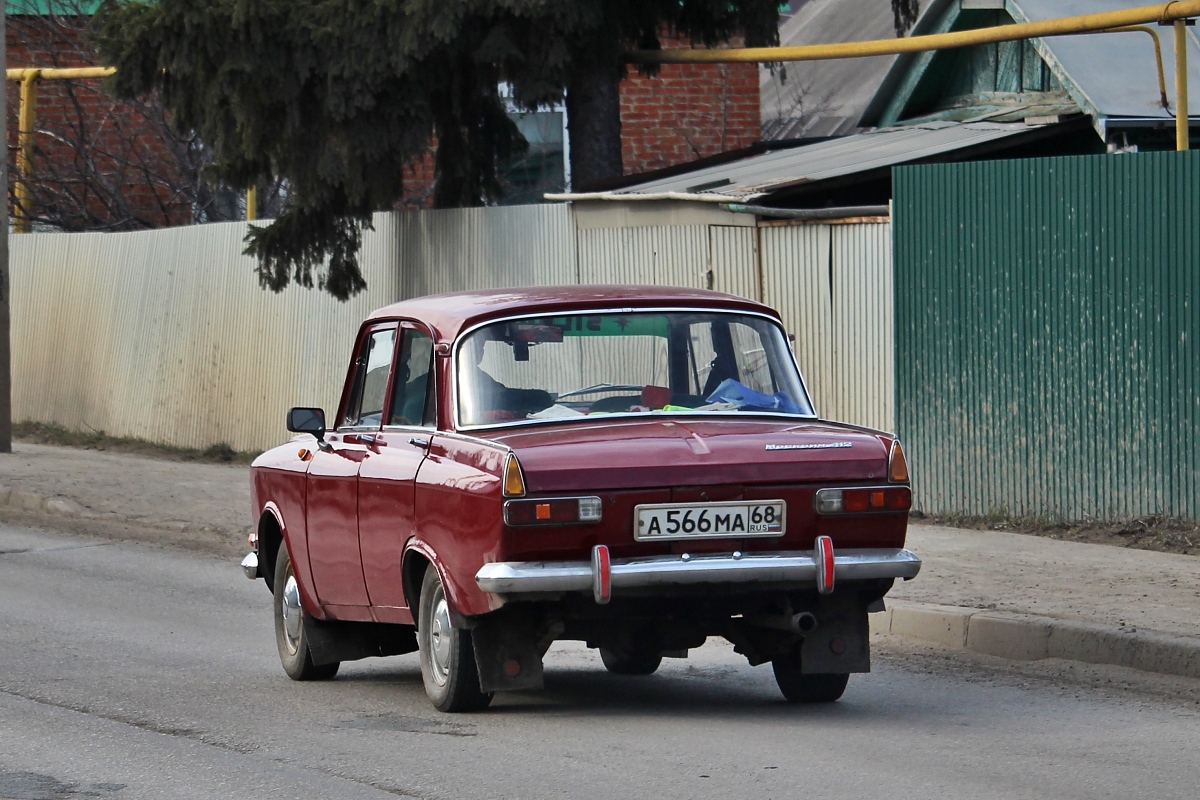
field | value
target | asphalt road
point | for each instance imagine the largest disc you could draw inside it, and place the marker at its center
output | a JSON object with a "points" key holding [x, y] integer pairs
{"points": [[128, 671]]}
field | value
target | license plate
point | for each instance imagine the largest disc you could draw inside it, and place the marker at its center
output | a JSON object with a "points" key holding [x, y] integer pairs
{"points": [[709, 520]]}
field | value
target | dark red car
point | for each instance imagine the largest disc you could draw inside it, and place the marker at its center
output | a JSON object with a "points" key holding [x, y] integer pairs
{"points": [[635, 467]]}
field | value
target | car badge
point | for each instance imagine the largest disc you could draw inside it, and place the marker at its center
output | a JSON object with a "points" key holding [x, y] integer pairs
{"points": [[818, 446]]}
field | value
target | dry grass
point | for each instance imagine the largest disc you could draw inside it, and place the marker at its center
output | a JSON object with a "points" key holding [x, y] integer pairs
{"points": [[1159, 533], [40, 433]]}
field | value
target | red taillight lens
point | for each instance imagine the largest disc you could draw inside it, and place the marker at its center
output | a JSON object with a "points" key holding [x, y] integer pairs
{"points": [[552, 511], [861, 501]]}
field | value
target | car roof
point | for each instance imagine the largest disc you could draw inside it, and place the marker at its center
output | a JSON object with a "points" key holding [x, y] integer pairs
{"points": [[449, 314]]}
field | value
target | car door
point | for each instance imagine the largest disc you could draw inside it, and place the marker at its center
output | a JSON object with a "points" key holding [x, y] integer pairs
{"points": [[387, 475], [333, 490]]}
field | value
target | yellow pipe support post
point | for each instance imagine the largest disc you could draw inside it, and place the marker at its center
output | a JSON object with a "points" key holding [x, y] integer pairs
{"points": [[26, 124], [1085, 23], [26, 121], [252, 204], [1181, 86]]}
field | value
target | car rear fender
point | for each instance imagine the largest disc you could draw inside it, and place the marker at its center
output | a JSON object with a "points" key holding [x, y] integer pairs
{"points": [[418, 557]]}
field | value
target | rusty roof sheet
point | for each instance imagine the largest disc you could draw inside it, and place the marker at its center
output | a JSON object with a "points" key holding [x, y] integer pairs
{"points": [[757, 176]]}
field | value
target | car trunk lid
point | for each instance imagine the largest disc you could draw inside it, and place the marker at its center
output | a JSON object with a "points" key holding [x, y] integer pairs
{"points": [[634, 453]]}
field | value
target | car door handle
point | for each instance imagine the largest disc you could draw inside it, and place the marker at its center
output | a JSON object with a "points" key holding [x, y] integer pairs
{"points": [[364, 438], [420, 441]]}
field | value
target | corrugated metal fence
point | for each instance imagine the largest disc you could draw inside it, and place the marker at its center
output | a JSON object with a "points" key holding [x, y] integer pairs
{"points": [[1048, 313], [833, 286], [165, 335]]}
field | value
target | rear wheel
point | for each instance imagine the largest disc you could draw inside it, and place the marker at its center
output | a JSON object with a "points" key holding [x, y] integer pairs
{"points": [[447, 656], [812, 688], [290, 637], [630, 661]]}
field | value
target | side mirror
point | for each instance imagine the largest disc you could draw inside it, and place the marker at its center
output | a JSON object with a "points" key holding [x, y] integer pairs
{"points": [[307, 420]]}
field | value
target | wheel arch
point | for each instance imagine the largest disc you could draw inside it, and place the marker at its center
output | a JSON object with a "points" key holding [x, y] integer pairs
{"points": [[270, 538], [412, 573], [418, 558]]}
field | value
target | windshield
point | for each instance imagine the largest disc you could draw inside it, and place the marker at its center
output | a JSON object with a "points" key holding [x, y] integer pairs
{"points": [[686, 362]]}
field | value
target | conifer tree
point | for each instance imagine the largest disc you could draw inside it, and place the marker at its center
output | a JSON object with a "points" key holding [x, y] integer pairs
{"points": [[337, 96]]}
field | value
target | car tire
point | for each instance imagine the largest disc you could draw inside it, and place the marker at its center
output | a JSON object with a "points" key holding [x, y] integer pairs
{"points": [[812, 688], [623, 661], [447, 656], [290, 636]]}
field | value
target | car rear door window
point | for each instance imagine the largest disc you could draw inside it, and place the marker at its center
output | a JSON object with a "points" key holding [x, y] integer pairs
{"points": [[365, 408], [412, 391]]}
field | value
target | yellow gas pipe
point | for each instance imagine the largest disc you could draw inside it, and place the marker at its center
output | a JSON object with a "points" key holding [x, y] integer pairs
{"points": [[1181, 86], [26, 123], [1176, 11], [1127, 19], [1158, 59]]}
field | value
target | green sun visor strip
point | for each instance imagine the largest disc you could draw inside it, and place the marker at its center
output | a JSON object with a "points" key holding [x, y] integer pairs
{"points": [[554, 329], [42, 8]]}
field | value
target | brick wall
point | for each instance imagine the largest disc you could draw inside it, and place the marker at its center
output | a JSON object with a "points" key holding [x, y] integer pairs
{"points": [[99, 164], [686, 112], [103, 164]]}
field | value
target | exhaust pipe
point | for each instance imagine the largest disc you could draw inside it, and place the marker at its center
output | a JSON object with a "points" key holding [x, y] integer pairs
{"points": [[804, 622]]}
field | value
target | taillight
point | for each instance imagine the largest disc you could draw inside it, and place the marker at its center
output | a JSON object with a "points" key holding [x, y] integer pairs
{"points": [[897, 464], [513, 481], [864, 500], [553, 511]]}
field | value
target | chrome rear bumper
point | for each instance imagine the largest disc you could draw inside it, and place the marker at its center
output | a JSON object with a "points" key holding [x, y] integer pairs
{"points": [[250, 565], [511, 578]]}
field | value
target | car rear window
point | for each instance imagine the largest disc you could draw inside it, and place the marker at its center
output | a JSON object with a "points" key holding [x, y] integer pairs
{"points": [[680, 362]]}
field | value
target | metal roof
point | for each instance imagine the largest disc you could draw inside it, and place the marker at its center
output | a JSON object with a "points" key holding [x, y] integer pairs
{"points": [[761, 175], [1112, 75], [825, 98]]}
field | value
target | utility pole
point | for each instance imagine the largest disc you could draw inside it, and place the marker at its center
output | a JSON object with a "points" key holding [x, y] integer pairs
{"points": [[5, 340]]}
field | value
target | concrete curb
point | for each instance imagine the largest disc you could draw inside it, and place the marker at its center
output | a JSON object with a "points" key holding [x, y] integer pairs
{"points": [[1025, 637]]}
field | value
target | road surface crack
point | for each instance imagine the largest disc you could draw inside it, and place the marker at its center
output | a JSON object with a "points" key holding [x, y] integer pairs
{"points": [[196, 735]]}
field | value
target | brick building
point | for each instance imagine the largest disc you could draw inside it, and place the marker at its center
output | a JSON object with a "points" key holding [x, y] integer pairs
{"points": [[686, 112], [101, 164]]}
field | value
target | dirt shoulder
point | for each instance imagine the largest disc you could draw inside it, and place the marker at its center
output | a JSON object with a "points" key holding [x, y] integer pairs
{"points": [[207, 492], [40, 433], [1159, 534]]}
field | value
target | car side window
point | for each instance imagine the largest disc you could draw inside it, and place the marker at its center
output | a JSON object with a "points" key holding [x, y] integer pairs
{"points": [[374, 361], [412, 391]]}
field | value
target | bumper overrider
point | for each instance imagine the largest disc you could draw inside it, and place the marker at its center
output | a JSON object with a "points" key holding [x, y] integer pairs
{"points": [[821, 569]]}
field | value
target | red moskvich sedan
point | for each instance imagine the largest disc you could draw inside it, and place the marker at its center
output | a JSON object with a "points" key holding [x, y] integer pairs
{"points": [[635, 467]]}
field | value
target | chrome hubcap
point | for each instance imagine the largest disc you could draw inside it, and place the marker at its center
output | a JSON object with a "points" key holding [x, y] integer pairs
{"points": [[440, 635], [291, 614]]}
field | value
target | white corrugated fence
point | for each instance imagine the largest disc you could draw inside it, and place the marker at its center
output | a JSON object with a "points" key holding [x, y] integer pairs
{"points": [[166, 335]]}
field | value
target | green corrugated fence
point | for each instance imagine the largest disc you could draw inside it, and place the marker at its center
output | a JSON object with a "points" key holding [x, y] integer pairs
{"points": [[1047, 317]]}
